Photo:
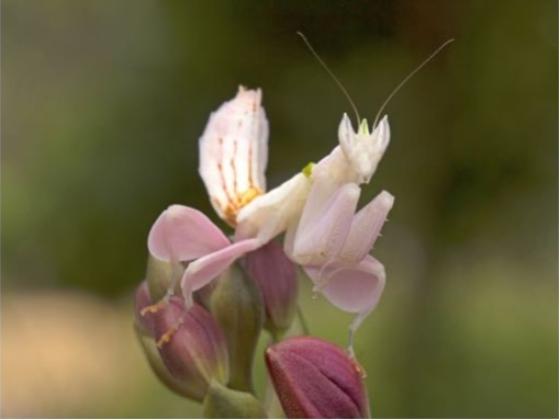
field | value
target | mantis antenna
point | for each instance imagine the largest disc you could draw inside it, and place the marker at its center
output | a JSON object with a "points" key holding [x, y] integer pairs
{"points": [[407, 78], [331, 74], [393, 92]]}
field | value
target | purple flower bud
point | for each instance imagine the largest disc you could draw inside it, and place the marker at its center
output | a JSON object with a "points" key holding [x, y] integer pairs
{"points": [[275, 276], [316, 379], [191, 345]]}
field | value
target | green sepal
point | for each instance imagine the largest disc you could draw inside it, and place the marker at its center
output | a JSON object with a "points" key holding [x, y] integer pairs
{"points": [[160, 276], [225, 403], [236, 304]]}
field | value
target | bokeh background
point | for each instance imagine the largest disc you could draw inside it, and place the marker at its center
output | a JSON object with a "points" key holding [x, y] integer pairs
{"points": [[102, 105]]}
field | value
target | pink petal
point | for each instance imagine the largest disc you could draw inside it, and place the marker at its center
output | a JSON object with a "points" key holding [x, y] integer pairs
{"points": [[353, 288], [201, 272], [182, 233], [366, 227]]}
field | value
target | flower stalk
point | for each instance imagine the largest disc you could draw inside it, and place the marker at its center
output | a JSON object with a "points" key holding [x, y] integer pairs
{"points": [[225, 403]]}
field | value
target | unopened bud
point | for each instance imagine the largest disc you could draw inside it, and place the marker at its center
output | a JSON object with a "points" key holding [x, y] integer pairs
{"points": [[144, 329], [186, 348], [151, 352], [203, 296], [316, 379], [275, 276], [236, 303]]}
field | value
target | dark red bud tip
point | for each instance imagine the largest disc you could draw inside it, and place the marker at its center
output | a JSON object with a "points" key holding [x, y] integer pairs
{"points": [[316, 379]]}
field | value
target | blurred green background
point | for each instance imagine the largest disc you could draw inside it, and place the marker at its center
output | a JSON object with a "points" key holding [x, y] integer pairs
{"points": [[102, 105]]}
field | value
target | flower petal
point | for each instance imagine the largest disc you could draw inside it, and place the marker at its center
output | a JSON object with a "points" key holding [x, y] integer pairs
{"points": [[366, 226], [182, 234], [233, 153], [353, 288], [201, 272]]}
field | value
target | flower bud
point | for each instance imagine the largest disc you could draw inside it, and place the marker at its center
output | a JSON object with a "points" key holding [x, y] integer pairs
{"points": [[237, 306], [316, 379], [151, 352], [203, 296], [275, 276], [185, 348], [145, 332]]}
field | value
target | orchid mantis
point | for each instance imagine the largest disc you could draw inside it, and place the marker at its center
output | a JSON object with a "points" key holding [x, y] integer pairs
{"points": [[316, 209]]}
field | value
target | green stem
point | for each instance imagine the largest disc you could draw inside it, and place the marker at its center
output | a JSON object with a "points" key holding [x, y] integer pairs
{"points": [[302, 321], [271, 402], [223, 403]]}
